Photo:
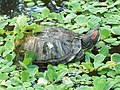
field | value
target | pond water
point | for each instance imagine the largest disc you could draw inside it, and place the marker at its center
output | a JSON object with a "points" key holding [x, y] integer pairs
{"points": [[14, 7]]}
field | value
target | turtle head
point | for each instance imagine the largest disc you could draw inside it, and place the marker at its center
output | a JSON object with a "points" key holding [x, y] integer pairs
{"points": [[90, 38]]}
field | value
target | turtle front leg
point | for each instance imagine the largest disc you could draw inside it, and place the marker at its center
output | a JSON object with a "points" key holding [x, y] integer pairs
{"points": [[79, 55]]}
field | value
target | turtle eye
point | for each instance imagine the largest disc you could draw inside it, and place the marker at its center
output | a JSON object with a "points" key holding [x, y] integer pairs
{"points": [[94, 35]]}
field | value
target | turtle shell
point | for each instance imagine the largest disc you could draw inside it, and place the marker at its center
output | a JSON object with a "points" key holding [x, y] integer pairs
{"points": [[54, 45]]}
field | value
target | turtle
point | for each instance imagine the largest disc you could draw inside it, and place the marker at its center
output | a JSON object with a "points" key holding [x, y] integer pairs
{"points": [[57, 45]]}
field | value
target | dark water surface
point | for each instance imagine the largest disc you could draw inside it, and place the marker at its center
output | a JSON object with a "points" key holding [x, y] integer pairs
{"points": [[13, 8]]}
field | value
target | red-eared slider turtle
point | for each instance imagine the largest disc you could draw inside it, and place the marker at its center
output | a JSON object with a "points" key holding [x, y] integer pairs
{"points": [[55, 45]]}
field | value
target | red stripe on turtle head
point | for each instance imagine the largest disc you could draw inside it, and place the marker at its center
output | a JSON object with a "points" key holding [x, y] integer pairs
{"points": [[94, 35]]}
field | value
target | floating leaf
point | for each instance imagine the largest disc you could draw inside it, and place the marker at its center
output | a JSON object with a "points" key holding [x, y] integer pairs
{"points": [[16, 29], [26, 84], [95, 10], [81, 20], [9, 45], [51, 73], [99, 58], [94, 19], [51, 87], [84, 88], [104, 33], [22, 21], [61, 66], [31, 26], [115, 57], [88, 66], [2, 31], [42, 81], [116, 30], [104, 50], [69, 17], [116, 43], [27, 61], [37, 29], [3, 23], [29, 57], [53, 15], [15, 81], [8, 69], [30, 4], [80, 30], [60, 17], [112, 20], [20, 35], [111, 73], [45, 12], [99, 83], [32, 69], [76, 6], [25, 75], [109, 85], [61, 87], [117, 68], [3, 76], [60, 74], [117, 78], [100, 44], [110, 40]]}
